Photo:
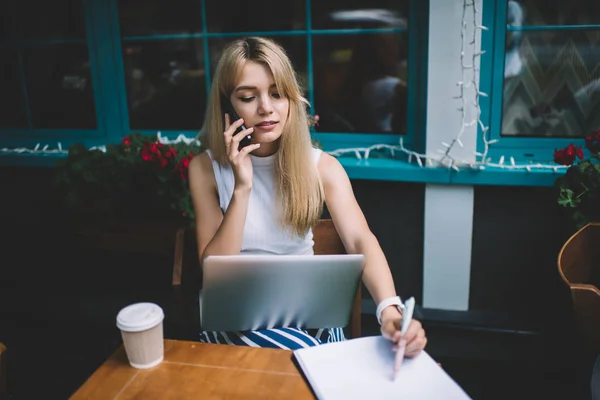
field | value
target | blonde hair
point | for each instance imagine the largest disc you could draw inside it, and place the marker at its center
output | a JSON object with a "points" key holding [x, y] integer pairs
{"points": [[298, 186]]}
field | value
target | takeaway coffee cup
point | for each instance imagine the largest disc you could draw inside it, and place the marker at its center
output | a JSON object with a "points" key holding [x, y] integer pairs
{"points": [[141, 326]]}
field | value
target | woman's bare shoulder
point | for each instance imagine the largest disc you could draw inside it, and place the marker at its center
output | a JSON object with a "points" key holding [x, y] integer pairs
{"points": [[330, 169], [201, 168]]}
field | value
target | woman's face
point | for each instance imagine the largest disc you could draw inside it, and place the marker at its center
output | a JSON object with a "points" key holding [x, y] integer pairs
{"points": [[257, 101]]}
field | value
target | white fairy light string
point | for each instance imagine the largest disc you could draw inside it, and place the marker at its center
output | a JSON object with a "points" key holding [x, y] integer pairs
{"points": [[47, 150], [180, 138], [469, 96], [37, 150], [468, 85]]}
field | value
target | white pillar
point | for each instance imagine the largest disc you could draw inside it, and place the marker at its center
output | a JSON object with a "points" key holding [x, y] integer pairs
{"points": [[447, 247], [448, 223]]}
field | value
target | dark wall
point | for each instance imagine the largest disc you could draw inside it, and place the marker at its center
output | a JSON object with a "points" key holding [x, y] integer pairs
{"points": [[31, 216], [394, 211], [517, 234], [31, 226]]}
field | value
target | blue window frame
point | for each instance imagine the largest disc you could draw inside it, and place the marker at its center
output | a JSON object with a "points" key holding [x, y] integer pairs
{"points": [[150, 75], [55, 91], [541, 70]]}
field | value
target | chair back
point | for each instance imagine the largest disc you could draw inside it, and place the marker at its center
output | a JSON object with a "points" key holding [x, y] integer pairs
{"points": [[578, 267], [327, 241]]}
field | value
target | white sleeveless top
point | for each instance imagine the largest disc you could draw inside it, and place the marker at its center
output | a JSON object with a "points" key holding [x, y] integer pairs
{"points": [[262, 232]]}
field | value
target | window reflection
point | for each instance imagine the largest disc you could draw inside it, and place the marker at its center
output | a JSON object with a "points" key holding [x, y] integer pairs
{"points": [[551, 77], [360, 79], [361, 82], [139, 17], [61, 19], [253, 16], [12, 112], [558, 12], [166, 86], [351, 14], [60, 87]]}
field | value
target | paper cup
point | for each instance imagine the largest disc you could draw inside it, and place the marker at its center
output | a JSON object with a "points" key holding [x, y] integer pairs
{"points": [[141, 326]]}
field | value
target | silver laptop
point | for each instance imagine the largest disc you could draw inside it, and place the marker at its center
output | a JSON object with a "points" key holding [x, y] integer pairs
{"points": [[251, 292]]}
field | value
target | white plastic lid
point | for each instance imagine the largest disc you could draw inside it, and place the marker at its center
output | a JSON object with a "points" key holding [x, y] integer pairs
{"points": [[139, 317]]}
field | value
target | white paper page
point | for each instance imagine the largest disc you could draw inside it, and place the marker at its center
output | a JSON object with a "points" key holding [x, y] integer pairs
{"points": [[363, 369]]}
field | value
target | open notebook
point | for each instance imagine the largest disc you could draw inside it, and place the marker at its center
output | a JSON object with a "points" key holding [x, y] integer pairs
{"points": [[362, 369]]}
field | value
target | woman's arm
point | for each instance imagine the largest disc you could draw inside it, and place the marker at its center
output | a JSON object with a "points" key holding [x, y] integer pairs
{"points": [[353, 228], [354, 231], [217, 234]]}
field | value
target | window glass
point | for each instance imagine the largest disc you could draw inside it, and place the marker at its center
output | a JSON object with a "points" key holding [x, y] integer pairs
{"points": [[551, 75]]}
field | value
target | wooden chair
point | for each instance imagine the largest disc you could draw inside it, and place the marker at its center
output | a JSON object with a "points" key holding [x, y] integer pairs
{"points": [[579, 269], [3, 367], [327, 241]]}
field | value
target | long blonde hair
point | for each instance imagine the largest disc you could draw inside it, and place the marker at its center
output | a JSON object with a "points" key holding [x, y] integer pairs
{"points": [[299, 189]]}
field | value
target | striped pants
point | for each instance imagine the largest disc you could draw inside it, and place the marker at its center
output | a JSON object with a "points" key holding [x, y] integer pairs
{"points": [[282, 338]]}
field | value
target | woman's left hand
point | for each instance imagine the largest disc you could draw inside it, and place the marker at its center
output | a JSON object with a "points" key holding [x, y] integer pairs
{"points": [[414, 336]]}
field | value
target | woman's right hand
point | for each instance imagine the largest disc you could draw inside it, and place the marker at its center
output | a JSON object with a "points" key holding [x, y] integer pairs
{"points": [[239, 159]]}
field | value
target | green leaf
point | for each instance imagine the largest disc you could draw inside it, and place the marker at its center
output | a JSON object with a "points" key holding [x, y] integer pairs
{"points": [[77, 167], [584, 165], [580, 219], [567, 198]]}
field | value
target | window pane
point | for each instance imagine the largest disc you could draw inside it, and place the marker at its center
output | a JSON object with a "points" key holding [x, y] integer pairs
{"points": [[12, 111], [295, 47], [552, 83], [139, 17], [361, 82], [166, 87], [553, 12], [252, 16], [61, 19], [346, 14], [60, 87]]}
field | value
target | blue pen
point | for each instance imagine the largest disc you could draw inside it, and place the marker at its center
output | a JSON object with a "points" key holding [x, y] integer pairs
{"points": [[406, 318]]}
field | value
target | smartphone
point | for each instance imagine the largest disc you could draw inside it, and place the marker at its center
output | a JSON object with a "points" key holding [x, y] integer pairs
{"points": [[228, 108]]}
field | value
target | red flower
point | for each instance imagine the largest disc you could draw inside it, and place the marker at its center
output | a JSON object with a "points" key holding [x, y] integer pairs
{"points": [[146, 156], [126, 141], [184, 165], [592, 142], [567, 155], [146, 152], [171, 152]]}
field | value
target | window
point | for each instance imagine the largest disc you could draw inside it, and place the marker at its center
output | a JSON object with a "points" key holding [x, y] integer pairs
{"points": [[352, 58], [96, 71], [545, 74], [47, 90]]}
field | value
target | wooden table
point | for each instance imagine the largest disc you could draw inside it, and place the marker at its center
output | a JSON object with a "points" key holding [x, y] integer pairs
{"points": [[193, 370]]}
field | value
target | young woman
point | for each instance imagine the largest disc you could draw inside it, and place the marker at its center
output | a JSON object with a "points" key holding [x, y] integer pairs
{"points": [[265, 197]]}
